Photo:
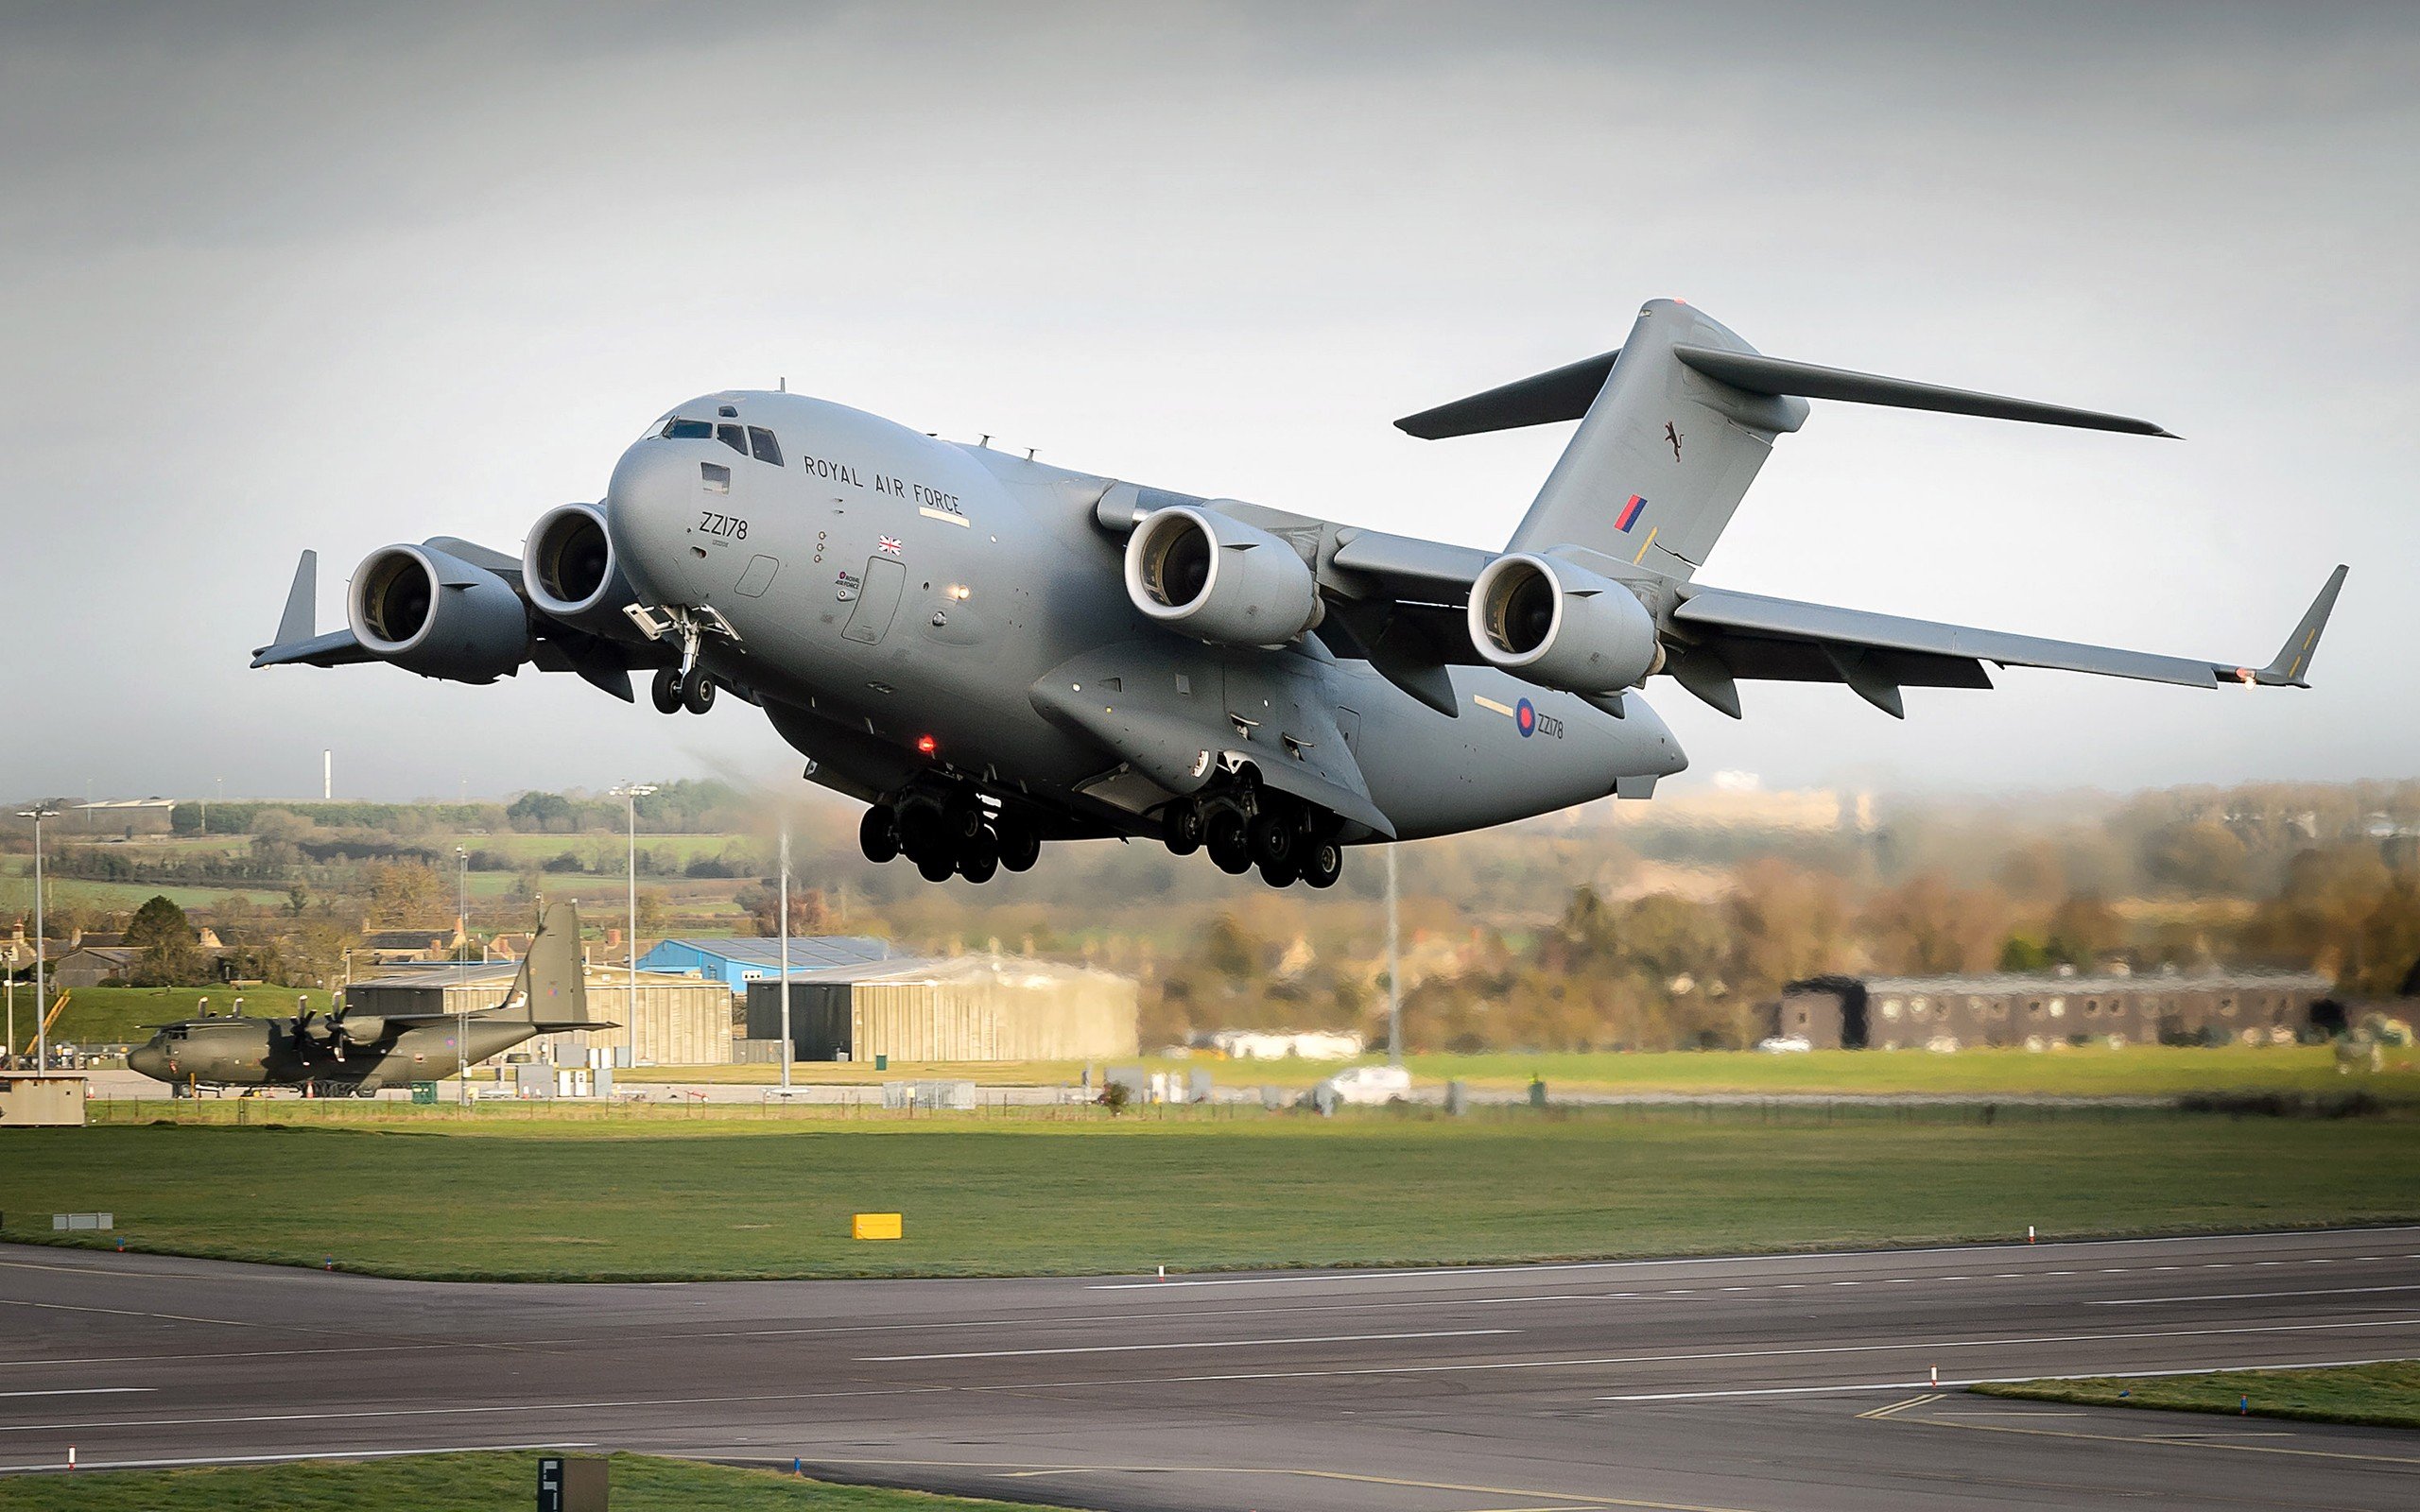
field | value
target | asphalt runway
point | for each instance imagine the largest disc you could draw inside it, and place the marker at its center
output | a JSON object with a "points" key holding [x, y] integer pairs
{"points": [[1756, 1382]]}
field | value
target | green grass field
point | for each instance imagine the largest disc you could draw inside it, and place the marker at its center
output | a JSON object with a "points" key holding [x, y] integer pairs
{"points": [[2383, 1395], [449, 1482], [628, 1198], [2143, 1070]]}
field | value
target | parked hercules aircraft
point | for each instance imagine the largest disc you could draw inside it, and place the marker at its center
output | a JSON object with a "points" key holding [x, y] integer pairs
{"points": [[359, 1052], [993, 652]]}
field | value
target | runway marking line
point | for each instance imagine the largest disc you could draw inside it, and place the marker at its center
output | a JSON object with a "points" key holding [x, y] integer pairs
{"points": [[1006, 1471], [2166, 1441], [1204, 1343], [283, 1459], [1339, 1371], [2247, 1297], [470, 1412], [79, 1391], [1903, 1406], [1447, 1272]]}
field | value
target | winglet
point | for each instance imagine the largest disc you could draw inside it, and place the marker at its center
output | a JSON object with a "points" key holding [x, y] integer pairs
{"points": [[301, 603], [2293, 657]]}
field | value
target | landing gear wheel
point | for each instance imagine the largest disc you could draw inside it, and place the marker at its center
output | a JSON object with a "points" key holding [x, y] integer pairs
{"points": [[1019, 844], [878, 834], [1323, 863], [920, 831], [1278, 873], [981, 858], [1228, 846], [962, 815], [936, 868], [666, 689], [1184, 828], [697, 691], [1272, 840]]}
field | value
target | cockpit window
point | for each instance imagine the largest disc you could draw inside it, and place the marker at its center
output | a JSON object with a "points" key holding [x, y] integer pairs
{"points": [[677, 429], [766, 449], [177, 1031], [732, 437]]}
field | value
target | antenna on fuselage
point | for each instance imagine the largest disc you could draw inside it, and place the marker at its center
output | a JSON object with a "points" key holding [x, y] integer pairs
{"points": [[987, 439], [783, 383]]}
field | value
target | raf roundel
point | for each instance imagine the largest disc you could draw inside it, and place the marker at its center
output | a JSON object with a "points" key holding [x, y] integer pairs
{"points": [[1526, 716]]}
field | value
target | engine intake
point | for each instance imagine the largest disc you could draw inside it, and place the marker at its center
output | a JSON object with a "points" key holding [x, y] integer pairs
{"points": [[572, 573], [1221, 580], [436, 616], [1563, 625]]}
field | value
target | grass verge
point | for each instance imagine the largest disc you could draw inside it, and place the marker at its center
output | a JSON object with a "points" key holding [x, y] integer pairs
{"points": [[642, 1199], [2385, 1394], [450, 1483], [2093, 1070]]}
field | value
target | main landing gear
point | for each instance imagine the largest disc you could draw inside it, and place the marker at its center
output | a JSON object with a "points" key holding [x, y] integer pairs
{"points": [[1248, 826], [949, 833]]}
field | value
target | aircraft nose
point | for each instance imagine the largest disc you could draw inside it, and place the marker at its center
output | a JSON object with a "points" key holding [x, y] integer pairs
{"points": [[648, 513], [151, 1060]]}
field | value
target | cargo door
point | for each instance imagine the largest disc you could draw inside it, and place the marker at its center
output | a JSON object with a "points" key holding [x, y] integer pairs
{"points": [[878, 600]]}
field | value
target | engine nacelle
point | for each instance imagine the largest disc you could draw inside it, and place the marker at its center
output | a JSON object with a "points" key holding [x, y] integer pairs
{"points": [[436, 616], [1218, 579], [1563, 625], [571, 573], [357, 1028]]}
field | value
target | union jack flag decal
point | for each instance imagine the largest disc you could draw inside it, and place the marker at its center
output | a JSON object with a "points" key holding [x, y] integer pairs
{"points": [[890, 544]]}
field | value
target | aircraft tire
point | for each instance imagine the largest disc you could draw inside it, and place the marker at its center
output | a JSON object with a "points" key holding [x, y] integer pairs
{"points": [[1272, 840], [962, 815], [937, 867], [1279, 873], [878, 834], [697, 691], [1323, 863], [919, 826], [1184, 827], [1019, 844], [1229, 847], [981, 858], [664, 688]]}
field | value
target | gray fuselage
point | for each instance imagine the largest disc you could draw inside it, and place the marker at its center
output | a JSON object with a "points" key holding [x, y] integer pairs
{"points": [[902, 603]]}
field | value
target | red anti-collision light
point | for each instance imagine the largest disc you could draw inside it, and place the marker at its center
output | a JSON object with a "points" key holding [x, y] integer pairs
{"points": [[928, 743]]}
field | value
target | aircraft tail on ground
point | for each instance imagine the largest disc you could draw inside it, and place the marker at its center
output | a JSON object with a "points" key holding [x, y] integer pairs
{"points": [[552, 990], [1673, 426]]}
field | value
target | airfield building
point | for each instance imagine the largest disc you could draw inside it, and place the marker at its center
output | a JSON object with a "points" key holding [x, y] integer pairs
{"points": [[739, 961], [976, 1007], [2033, 1011]]}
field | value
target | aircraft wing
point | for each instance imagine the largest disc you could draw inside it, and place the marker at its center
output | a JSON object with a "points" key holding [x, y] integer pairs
{"points": [[1716, 636], [553, 647]]}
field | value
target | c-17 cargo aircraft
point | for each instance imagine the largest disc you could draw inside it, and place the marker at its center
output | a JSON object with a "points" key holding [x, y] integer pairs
{"points": [[359, 1053], [992, 652]]}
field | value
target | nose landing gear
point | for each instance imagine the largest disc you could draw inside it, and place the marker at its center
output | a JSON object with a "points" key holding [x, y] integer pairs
{"points": [[674, 690]]}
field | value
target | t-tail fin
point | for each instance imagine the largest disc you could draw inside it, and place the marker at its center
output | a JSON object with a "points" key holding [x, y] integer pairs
{"points": [[1672, 428], [551, 988]]}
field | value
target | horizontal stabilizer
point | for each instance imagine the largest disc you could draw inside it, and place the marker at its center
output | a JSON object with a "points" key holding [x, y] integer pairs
{"points": [[1563, 394], [1755, 373]]}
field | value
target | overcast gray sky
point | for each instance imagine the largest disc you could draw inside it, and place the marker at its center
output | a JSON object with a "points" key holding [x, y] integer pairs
{"points": [[276, 277]]}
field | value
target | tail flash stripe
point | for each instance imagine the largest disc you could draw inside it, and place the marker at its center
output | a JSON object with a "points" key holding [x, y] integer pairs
{"points": [[1630, 514]]}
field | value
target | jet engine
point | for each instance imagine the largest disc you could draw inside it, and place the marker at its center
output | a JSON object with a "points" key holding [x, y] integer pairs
{"points": [[572, 573], [1563, 625], [1218, 579], [436, 616]]}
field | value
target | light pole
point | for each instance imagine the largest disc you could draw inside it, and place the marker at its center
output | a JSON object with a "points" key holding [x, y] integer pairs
{"points": [[1394, 973], [787, 1054], [42, 988], [462, 975], [630, 793]]}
